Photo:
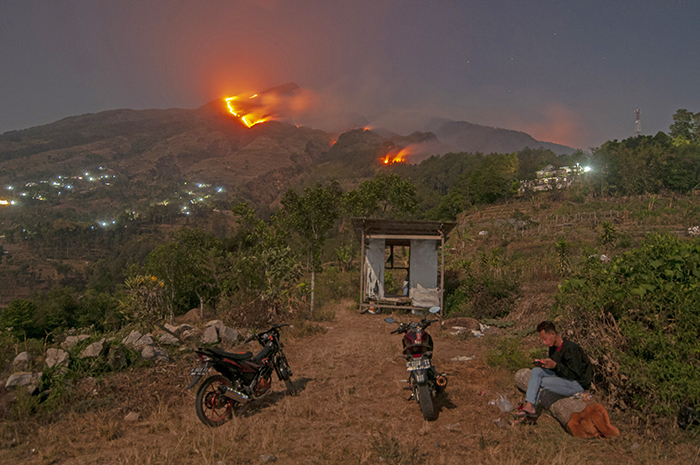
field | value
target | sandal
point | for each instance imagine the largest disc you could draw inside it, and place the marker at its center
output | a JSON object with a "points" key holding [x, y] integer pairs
{"points": [[524, 414]]}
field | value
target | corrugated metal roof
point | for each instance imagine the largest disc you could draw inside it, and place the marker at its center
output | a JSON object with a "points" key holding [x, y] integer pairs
{"points": [[400, 227]]}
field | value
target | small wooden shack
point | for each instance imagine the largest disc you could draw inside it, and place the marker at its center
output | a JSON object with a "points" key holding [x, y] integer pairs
{"points": [[402, 263]]}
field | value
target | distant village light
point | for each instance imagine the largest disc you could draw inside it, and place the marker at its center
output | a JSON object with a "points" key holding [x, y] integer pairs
{"points": [[586, 169]]}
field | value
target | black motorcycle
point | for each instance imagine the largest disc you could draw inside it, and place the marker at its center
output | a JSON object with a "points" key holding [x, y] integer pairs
{"points": [[242, 377], [425, 383]]}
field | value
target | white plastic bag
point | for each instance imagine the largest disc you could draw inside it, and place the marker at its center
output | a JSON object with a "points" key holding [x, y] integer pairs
{"points": [[503, 403]]}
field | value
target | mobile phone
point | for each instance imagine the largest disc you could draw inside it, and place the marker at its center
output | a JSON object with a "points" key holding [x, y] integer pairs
{"points": [[537, 362]]}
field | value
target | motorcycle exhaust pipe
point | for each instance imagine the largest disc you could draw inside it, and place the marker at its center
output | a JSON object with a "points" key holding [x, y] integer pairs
{"points": [[441, 381], [237, 396]]}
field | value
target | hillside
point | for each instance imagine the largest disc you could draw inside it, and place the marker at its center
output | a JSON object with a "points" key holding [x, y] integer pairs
{"points": [[351, 409], [148, 149]]}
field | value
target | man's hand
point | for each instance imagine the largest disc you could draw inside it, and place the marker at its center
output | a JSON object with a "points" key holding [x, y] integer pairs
{"points": [[548, 363]]}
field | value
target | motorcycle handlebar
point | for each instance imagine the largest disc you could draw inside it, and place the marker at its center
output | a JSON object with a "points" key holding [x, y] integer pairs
{"points": [[273, 328]]}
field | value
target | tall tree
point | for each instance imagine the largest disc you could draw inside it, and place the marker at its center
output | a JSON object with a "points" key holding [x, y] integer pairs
{"points": [[312, 215]]}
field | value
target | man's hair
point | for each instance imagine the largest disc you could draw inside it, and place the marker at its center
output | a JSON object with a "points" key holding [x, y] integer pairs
{"points": [[547, 327]]}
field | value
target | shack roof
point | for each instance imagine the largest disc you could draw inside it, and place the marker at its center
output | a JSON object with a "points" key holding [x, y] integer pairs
{"points": [[400, 228]]}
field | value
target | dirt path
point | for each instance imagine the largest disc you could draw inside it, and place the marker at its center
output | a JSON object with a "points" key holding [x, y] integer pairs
{"points": [[351, 409]]}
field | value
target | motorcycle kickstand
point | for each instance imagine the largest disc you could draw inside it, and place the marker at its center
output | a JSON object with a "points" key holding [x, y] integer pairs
{"points": [[412, 396]]}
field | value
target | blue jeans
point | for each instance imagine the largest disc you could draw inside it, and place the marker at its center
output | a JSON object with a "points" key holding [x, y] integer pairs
{"points": [[549, 381]]}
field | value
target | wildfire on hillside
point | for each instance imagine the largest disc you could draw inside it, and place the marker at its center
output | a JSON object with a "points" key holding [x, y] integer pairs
{"points": [[250, 110], [396, 155], [282, 103]]}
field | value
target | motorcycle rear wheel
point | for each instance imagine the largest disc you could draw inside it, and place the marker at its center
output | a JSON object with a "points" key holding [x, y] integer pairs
{"points": [[426, 402], [213, 408]]}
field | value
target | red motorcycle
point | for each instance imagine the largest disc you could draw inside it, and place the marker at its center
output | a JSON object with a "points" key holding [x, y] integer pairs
{"points": [[425, 383], [242, 379]]}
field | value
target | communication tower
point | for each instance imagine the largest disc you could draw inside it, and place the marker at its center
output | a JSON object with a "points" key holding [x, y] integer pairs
{"points": [[638, 122]]}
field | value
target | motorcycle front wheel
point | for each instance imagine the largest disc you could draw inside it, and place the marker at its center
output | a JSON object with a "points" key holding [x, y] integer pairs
{"points": [[213, 408], [426, 402], [285, 373]]}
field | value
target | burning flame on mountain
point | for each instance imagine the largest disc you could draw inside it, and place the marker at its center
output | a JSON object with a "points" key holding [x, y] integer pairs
{"points": [[284, 102], [396, 155], [250, 113]]}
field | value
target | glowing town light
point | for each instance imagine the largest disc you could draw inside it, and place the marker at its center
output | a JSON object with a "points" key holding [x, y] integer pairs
{"points": [[4, 202], [219, 189], [9, 188], [586, 169]]}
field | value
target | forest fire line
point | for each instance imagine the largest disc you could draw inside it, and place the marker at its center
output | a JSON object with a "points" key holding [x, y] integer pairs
{"points": [[396, 156], [250, 114]]}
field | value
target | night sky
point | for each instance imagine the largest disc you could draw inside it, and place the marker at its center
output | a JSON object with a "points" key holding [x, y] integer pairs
{"points": [[571, 72]]}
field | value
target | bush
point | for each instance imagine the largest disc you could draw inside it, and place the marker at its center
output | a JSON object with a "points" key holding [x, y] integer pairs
{"points": [[484, 295], [638, 318], [509, 354]]}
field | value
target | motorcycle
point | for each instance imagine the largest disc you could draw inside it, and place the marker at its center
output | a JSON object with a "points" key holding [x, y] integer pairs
{"points": [[242, 377], [424, 381]]}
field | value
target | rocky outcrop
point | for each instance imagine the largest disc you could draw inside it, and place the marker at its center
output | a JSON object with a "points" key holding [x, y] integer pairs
{"points": [[94, 350], [56, 357]]}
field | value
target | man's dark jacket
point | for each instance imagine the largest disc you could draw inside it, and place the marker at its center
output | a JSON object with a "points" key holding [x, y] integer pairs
{"points": [[572, 363]]}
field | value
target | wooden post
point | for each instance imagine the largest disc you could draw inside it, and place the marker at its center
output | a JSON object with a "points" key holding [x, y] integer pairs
{"points": [[442, 268], [363, 272]]}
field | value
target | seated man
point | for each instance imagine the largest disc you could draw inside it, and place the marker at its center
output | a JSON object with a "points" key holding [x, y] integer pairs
{"points": [[566, 372]]}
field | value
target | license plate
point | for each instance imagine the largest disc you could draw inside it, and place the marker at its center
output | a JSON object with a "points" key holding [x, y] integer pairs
{"points": [[418, 364], [200, 370]]}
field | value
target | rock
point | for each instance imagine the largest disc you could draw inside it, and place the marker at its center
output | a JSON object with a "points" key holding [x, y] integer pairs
{"points": [[483, 233], [210, 335], [93, 350], [117, 359], [217, 323], [56, 357], [229, 335], [131, 339], [132, 416], [22, 359], [23, 378], [463, 358], [189, 334], [190, 317], [69, 342], [154, 354], [184, 327], [145, 340], [168, 339], [82, 337], [268, 458], [171, 328], [463, 323]]}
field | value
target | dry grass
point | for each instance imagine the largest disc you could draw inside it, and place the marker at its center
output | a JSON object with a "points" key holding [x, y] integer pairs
{"points": [[351, 410]]}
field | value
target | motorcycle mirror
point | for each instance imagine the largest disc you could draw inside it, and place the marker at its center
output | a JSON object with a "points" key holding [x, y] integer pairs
{"points": [[434, 309], [389, 320]]}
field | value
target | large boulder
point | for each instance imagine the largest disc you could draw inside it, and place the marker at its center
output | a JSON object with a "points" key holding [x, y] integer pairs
{"points": [[210, 335], [145, 340], [22, 359], [24, 378], [56, 357], [154, 353], [229, 335], [93, 350], [131, 339], [216, 323], [168, 340]]}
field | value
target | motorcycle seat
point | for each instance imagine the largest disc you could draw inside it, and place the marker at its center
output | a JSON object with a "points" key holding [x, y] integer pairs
{"points": [[239, 356]]}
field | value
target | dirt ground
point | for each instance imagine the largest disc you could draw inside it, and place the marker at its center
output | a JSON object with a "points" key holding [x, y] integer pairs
{"points": [[351, 409]]}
